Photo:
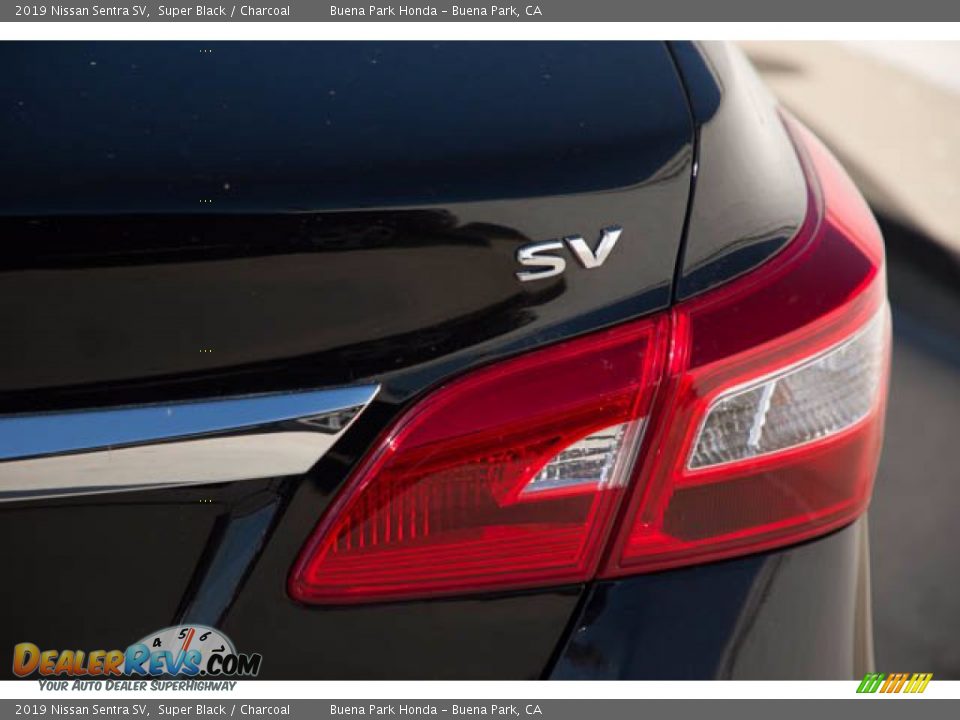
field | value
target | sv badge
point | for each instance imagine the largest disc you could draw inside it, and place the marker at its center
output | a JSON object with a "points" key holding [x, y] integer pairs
{"points": [[543, 257]]}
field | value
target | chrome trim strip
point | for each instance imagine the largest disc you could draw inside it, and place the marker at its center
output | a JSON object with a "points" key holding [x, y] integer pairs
{"points": [[157, 445], [48, 433]]}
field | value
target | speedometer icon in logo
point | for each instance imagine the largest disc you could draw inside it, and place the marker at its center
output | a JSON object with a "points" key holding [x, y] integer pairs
{"points": [[183, 638], [189, 650]]}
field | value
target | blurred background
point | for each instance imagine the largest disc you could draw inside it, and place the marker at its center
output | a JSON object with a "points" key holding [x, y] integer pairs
{"points": [[891, 114]]}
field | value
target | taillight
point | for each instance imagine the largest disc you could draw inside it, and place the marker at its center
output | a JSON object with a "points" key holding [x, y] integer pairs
{"points": [[508, 477], [763, 407], [770, 428]]}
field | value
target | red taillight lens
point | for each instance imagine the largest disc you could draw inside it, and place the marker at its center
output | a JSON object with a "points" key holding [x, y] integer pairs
{"points": [[508, 477], [764, 401], [770, 430]]}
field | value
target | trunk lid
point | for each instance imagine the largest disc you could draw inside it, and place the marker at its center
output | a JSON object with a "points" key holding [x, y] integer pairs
{"points": [[193, 221]]}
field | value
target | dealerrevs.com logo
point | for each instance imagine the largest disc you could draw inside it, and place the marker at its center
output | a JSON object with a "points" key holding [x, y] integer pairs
{"points": [[180, 651]]}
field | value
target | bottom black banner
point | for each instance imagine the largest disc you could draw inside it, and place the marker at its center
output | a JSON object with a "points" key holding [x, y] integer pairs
{"points": [[786, 709]]}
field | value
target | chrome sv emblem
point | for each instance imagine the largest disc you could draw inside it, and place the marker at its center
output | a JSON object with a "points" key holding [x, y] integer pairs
{"points": [[542, 255]]}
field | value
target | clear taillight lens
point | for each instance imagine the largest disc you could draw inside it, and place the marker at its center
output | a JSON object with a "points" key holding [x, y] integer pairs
{"points": [[816, 399], [601, 459]]}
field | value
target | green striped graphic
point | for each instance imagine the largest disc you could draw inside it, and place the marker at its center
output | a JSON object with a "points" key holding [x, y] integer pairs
{"points": [[871, 683], [894, 683]]}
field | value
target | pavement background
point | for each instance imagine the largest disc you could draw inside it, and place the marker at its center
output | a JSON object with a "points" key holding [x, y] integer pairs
{"points": [[891, 113]]}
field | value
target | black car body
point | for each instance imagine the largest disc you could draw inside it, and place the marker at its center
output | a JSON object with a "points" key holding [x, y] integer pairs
{"points": [[186, 222]]}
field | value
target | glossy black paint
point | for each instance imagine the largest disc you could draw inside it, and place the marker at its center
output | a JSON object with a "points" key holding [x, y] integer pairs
{"points": [[189, 222], [345, 296], [749, 195], [378, 248], [787, 615], [102, 571], [280, 126], [367, 202]]}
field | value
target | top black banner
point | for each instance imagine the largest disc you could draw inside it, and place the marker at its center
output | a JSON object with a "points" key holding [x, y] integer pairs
{"points": [[526, 11]]}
